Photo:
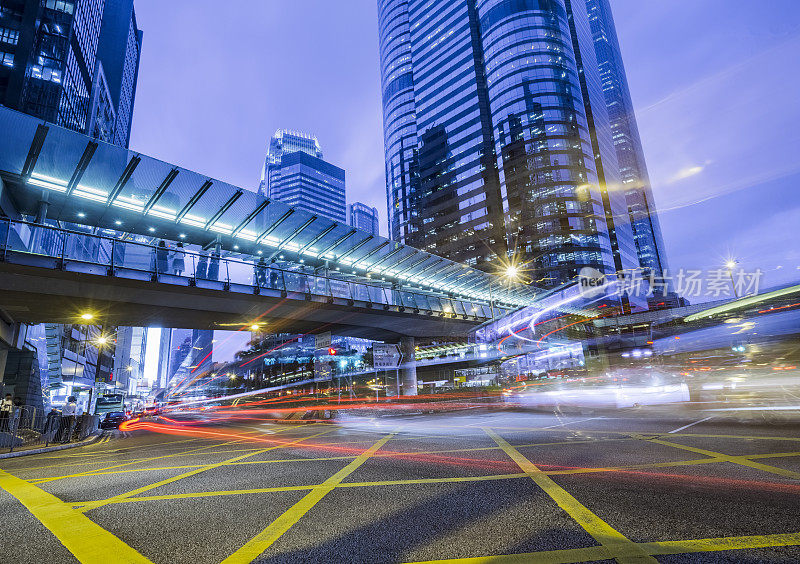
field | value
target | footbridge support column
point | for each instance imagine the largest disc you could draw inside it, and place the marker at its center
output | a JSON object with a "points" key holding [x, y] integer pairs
{"points": [[408, 367]]}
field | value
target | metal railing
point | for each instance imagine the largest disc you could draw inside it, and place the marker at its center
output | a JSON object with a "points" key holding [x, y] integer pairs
{"points": [[98, 254], [28, 427]]}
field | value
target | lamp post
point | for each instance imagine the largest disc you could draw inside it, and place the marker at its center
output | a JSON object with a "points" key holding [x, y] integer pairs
{"points": [[730, 265]]}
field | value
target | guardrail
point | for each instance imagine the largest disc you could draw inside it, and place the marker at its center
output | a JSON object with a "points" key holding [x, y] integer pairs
{"points": [[92, 253], [29, 427]]}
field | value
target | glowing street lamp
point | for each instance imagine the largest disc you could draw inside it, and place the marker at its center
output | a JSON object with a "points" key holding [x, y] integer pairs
{"points": [[512, 272], [730, 264], [87, 316]]}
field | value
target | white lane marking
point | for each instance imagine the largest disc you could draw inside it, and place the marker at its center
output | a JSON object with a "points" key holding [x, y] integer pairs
{"points": [[690, 424], [570, 422]]}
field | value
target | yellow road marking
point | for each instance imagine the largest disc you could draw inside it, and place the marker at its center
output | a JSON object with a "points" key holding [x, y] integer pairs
{"points": [[262, 541], [95, 504], [741, 460], [102, 472], [90, 543], [91, 472], [140, 460], [564, 556], [458, 479], [192, 495], [661, 548], [724, 543], [619, 546]]}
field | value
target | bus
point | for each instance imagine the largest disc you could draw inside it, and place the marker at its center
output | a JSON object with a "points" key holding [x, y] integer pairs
{"points": [[109, 402]]}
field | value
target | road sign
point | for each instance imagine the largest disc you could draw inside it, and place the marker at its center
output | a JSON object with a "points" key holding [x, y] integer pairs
{"points": [[322, 341], [386, 356]]}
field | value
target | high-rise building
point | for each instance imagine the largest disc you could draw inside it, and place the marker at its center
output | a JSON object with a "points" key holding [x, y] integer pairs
{"points": [[295, 173], [363, 217], [129, 358], [625, 134], [119, 49], [73, 63], [498, 143], [66, 62]]}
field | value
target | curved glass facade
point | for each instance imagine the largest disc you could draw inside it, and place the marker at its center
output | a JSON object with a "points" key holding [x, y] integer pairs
{"points": [[554, 208], [498, 144], [400, 133]]}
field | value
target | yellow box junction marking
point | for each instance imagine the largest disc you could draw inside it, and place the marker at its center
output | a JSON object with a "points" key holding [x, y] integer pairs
{"points": [[262, 541], [618, 546], [661, 548], [95, 504], [89, 542], [741, 460]]}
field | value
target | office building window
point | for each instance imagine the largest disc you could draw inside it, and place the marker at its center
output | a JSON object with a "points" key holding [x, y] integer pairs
{"points": [[9, 35]]}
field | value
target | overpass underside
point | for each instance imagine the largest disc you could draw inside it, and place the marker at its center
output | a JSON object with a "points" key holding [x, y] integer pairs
{"points": [[37, 289]]}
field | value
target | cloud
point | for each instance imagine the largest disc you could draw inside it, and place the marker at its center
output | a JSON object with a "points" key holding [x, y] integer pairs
{"points": [[687, 172]]}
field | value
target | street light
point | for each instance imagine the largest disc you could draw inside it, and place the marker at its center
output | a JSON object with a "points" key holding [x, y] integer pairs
{"points": [[101, 340], [512, 272], [87, 316], [730, 264], [254, 327]]}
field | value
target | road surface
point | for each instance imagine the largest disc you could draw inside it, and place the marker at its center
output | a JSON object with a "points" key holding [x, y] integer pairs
{"points": [[520, 487]]}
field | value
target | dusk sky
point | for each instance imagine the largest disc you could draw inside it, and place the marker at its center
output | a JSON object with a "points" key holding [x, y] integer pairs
{"points": [[716, 90]]}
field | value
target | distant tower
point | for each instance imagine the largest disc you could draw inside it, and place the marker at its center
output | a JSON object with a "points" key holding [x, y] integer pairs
{"points": [[364, 217], [295, 173]]}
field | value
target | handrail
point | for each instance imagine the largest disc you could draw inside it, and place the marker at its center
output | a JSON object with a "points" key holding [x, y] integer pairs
{"points": [[446, 303]]}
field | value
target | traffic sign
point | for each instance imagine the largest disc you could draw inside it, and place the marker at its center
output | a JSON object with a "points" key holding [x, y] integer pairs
{"points": [[322, 341], [386, 356]]}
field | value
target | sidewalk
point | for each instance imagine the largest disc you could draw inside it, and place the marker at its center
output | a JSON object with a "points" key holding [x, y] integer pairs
{"points": [[52, 448]]}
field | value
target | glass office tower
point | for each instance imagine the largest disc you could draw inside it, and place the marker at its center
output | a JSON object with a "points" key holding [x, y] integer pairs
{"points": [[625, 134], [498, 144], [295, 173], [363, 217], [119, 50], [72, 63], [442, 187]]}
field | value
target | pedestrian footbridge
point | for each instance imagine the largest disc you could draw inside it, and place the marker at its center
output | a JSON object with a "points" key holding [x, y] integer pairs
{"points": [[95, 227]]}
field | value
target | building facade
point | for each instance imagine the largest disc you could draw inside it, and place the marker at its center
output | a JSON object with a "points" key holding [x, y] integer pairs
{"points": [[62, 61], [625, 134], [295, 173], [498, 143], [73, 63], [363, 217], [119, 50]]}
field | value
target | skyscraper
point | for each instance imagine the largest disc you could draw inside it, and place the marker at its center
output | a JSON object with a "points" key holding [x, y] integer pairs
{"points": [[65, 62], [119, 49], [625, 134], [498, 143], [295, 173], [363, 217], [73, 63]]}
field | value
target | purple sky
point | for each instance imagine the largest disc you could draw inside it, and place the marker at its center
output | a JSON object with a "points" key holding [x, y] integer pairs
{"points": [[715, 84]]}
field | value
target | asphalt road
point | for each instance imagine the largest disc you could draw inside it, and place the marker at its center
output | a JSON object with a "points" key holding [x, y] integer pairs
{"points": [[519, 487]]}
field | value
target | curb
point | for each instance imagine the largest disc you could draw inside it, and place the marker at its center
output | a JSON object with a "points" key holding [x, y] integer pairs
{"points": [[85, 442]]}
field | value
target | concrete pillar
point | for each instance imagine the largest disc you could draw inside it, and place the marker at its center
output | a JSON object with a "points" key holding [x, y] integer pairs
{"points": [[408, 367]]}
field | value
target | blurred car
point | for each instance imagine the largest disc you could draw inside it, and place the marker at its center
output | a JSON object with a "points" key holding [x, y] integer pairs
{"points": [[150, 411], [113, 419]]}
